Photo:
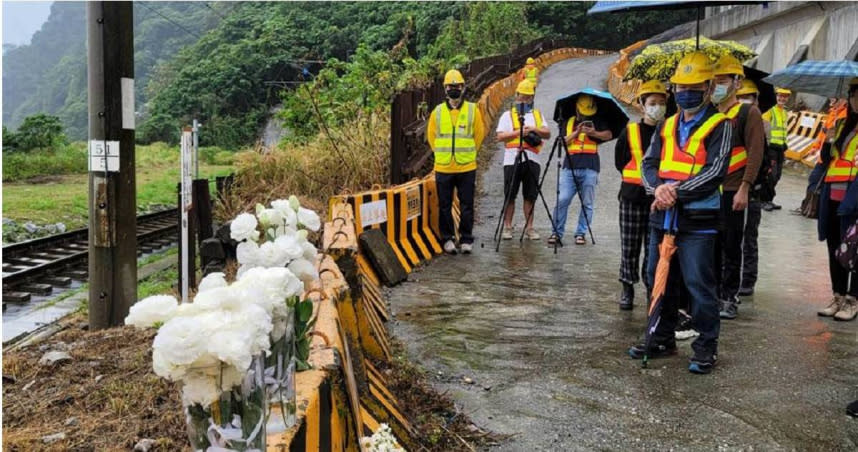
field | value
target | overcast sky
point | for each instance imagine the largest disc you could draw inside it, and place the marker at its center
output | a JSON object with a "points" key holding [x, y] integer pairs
{"points": [[22, 19]]}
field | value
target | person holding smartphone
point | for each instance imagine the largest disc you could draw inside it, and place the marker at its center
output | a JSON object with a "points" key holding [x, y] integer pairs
{"points": [[584, 132]]}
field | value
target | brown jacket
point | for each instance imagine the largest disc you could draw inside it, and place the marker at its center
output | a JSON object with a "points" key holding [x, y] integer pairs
{"points": [[752, 135]]}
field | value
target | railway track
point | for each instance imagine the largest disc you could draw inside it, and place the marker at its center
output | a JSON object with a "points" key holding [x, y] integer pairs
{"points": [[43, 266]]}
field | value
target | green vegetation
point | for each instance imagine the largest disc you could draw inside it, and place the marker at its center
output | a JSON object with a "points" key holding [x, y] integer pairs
{"points": [[39, 131]]}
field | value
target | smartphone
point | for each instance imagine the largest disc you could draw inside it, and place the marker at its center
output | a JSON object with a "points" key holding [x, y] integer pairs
{"points": [[587, 123]]}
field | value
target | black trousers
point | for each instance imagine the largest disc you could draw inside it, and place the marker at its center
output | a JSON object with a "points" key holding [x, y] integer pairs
{"points": [[730, 244], [776, 154], [840, 277], [750, 249], [464, 185]]}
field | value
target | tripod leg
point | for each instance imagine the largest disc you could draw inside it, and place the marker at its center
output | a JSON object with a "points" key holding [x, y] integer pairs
{"points": [[500, 226], [539, 195]]}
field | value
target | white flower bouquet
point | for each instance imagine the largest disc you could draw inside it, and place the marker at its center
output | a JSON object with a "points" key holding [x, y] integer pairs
{"points": [[381, 441]]}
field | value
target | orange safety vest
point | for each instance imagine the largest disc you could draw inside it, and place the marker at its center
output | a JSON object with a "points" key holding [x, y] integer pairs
{"points": [[834, 114], [739, 155], [842, 169], [582, 144], [515, 142], [632, 170], [682, 164]]}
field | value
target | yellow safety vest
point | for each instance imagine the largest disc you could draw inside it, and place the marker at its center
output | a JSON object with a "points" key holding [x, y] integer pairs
{"points": [[582, 144], [739, 154], [632, 170], [779, 119], [843, 169], [682, 164], [531, 73], [455, 141], [514, 143]]}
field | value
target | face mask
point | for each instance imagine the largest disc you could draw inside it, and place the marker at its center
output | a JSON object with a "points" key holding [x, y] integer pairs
{"points": [[720, 93], [454, 93], [691, 100], [655, 112], [747, 101]]}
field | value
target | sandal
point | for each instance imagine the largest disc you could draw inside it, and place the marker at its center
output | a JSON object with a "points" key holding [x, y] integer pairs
{"points": [[579, 240]]}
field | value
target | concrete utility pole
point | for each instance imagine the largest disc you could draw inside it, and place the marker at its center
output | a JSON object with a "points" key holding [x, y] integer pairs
{"points": [[112, 193]]}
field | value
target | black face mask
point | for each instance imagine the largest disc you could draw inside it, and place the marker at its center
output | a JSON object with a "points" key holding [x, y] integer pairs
{"points": [[454, 93]]}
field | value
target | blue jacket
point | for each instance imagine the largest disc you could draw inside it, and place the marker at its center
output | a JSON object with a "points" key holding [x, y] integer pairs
{"points": [[847, 212]]}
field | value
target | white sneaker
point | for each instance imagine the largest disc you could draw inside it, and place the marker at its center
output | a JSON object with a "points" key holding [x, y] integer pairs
{"points": [[450, 247], [506, 234], [849, 309], [833, 307], [466, 248], [532, 234]]}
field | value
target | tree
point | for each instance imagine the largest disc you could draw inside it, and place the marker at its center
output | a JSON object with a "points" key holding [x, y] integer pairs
{"points": [[39, 131]]}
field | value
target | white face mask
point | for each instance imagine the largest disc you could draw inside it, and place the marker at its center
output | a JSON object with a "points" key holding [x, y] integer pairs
{"points": [[655, 112], [720, 93], [747, 101]]}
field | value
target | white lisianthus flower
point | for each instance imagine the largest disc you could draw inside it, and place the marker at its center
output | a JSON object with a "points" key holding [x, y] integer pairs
{"points": [[271, 255], [270, 218], [243, 227], [269, 287], [309, 251], [179, 343], [211, 281], [304, 270], [247, 253], [240, 335], [290, 246], [152, 310], [290, 218], [218, 298], [284, 230], [309, 219]]}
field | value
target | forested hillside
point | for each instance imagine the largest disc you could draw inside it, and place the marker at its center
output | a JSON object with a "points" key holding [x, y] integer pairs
{"points": [[227, 63]]}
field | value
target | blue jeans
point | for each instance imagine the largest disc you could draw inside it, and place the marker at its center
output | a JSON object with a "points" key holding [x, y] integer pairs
{"points": [[586, 180], [694, 264]]}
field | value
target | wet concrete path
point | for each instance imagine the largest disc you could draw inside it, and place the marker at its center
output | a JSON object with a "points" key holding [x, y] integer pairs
{"points": [[542, 338]]}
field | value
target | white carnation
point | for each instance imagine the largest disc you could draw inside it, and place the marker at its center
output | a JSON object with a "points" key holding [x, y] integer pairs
{"points": [[200, 389], [304, 270], [271, 255], [213, 280], [270, 217], [243, 227], [309, 251], [179, 343], [248, 253], [218, 298], [290, 218], [290, 245], [269, 287], [151, 310], [309, 219]]}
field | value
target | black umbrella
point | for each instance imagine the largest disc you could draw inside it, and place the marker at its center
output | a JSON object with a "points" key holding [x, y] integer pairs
{"points": [[766, 97], [607, 109]]}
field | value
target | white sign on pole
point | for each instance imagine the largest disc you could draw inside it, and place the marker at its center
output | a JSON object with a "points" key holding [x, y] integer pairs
{"points": [[104, 156], [127, 86], [187, 150], [373, 213]]}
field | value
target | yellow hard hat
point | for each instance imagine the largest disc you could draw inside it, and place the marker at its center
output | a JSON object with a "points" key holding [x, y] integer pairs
{"points": [[454, 77], [586, 105], [728, 65], [693, 68], [652, 87], [530, 61], [748, 87], [782, 91], [526, 87]]}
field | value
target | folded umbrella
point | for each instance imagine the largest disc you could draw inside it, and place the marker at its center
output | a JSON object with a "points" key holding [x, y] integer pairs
{"points": [[823, 78], [666, 249]]}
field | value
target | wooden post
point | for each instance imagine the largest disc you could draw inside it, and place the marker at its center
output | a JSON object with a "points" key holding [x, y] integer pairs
{"points": [[112, 193]]}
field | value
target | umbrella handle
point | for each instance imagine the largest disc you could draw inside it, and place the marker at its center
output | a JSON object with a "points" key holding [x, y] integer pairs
{"points": [[670, 220]]}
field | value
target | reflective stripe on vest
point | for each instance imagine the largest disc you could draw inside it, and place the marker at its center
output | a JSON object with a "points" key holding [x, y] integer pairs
{"points": [[458, 142], [778, 125], [843, 169], [739, 155], [514, 143], [582, 144], [681, 164], [632, 170], [530, 73]]}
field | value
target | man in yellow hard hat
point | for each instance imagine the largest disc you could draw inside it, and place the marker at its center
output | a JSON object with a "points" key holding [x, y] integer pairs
{"points": [[585, 131], [749, 93], [519, 172], [455, 132], [684, 166], [530, 72], [777, 119], [634, 201], [743, 170]]}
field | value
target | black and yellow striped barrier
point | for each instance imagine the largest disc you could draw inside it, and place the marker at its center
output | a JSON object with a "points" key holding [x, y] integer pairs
{"points": [[803, 127]]}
